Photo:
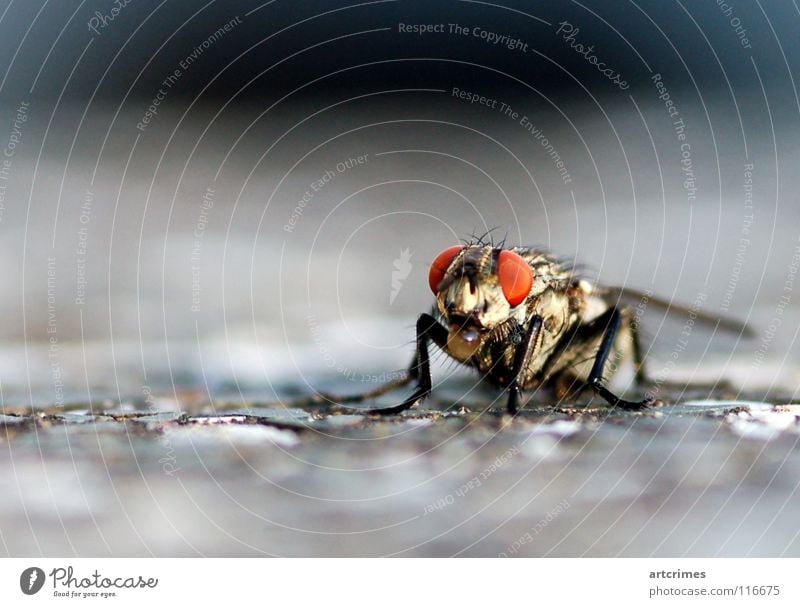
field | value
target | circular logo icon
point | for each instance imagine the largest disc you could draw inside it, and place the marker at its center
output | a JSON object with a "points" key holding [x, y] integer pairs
{"points": [[31, 580]]}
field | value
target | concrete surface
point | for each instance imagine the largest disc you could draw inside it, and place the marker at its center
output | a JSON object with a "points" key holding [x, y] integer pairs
{"points": [[178, 475]]}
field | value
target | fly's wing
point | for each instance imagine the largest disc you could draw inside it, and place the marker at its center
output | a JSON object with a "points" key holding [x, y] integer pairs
{"points": [[683, 343], [634, 298]]}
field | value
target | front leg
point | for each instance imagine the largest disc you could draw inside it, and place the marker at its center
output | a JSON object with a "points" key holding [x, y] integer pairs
{"points": [[521, 355], [427, 328]]}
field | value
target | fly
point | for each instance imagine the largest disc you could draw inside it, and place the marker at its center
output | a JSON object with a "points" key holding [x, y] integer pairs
{"points": [[523, 320]]}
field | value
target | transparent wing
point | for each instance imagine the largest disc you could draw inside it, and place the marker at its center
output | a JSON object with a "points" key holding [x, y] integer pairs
{"points": [[634, 298]]}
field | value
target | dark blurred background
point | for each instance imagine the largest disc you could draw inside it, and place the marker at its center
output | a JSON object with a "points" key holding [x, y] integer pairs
{"points": [[227, 194]]}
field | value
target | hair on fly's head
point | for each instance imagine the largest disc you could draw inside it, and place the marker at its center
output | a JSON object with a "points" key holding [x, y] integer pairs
{"points": [[485, 239]]}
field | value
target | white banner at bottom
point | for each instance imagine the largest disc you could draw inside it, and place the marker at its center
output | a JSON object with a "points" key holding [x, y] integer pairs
{"points": [[402, 582]]}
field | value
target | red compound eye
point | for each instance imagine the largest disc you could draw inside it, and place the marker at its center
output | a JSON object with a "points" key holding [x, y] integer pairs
{"points": [[515, 276], [440, 265]]}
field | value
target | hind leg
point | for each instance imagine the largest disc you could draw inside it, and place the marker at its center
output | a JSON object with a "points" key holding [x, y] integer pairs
{"points": [[610, 329], [592, 344], [642, 378]]}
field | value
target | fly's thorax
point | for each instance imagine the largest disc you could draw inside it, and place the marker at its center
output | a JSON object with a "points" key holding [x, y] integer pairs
{"points": [[557, 310], [594, 306]]}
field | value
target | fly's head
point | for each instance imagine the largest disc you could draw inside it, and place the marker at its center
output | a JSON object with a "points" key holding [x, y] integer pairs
{"points": [[477, 288]]}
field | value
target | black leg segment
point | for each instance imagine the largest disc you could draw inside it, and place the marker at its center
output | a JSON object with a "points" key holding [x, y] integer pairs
{"points": [[520, 356], [427, 328], [595, 381], [638, 356]]}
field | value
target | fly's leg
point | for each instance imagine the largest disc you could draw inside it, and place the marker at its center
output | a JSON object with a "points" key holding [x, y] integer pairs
{"points": [[643, 379], [595, 381], [638, 358], [427, 328], [522, 355], [375, 393]]}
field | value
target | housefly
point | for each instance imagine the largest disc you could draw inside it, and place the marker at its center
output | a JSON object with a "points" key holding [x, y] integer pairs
{"points": [[524, 320]]}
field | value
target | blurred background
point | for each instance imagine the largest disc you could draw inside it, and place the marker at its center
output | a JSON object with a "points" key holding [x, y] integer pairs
{"points": [[183, 199], [237, 202]]}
